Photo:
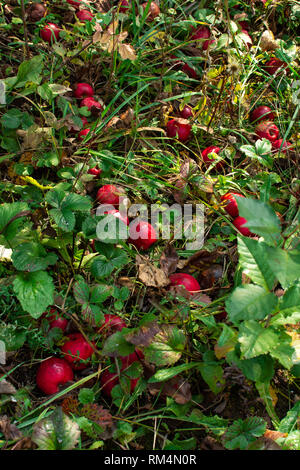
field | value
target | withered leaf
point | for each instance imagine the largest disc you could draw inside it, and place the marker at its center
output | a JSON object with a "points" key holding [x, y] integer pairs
{"points": [[144, 336], [168, 260], [149, 274], [9, 430], [7, 387], [268, 42], [201, 259], [177, 388], [126, 51]]}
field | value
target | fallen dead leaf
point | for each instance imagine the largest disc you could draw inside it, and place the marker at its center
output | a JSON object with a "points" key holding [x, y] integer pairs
{"points": [[177, 388], [168, 260], [9, 430], [149, 274]]}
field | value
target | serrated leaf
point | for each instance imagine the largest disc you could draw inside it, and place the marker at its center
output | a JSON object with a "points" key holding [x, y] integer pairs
{"points": [[103, 265], [166, 347], [64, 219], [256, 340], [250, 302], [289, 308], [261, 219], [34, 291], [284, 264], [116, 345], [32, 257], [241, 433], [254, 261]]}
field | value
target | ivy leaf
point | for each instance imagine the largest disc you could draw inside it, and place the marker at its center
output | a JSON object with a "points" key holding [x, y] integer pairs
{"points": [[34, 291], [250, 302], [31, 257], [254, 261], [57, 432], [241, 433], [261, 219]]}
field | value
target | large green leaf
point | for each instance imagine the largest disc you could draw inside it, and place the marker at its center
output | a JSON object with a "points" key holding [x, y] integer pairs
{"points": [[289, 307], [256, 340], [250, 302], [31, 257], [284, 264], [241, 433], [34, 291], [254, 261], [212, 372], [261, 219]]}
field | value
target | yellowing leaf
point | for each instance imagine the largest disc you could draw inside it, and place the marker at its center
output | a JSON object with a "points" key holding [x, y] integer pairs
{"points": [[30, 180], [127, 52]]}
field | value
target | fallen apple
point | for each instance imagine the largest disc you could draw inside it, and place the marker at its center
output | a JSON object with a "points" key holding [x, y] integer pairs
{"points": [[179, 128], [83, 90], [51, 373], [262, 113], [50, 33], [76, 349], [231, 207], [267, 130], [142, 235], [185, 280], [239, 223], [110, 194], [84, 15], [93, 106]]}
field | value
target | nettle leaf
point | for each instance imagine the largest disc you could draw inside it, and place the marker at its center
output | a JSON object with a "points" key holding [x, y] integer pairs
{"points": [[241, 433], [250, 302], [284, 264], [261, 219], [254, 261], [104, 264], [7, 213], [57, 432], [289, 308], [212, 372], [31, 257], [34, 291], [166, 347]]}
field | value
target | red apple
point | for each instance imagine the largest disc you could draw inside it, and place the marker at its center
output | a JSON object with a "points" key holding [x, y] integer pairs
{"points": [[185, 280], [267, 130], [142, 235], [124, 6], [109, 380], [203, 32], [75, 3], [83, 90], [56, 320], [205, 156], [231, 207], [95, 171], [110, 194], [186, 112], [112, 324], [179, 128], [284, 146], [153, 12], [84, 123], [50, 33], [118, 215], [239, 224], [83, 133], [262, 113], [93, 106], [52, 373], [274, 64], [84, 15], [136, 356], [77, 349]]}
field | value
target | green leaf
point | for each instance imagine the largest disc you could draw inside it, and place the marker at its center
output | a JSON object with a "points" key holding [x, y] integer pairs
{"points": [[57, 432], [34, 291], [31, 256], [81, 292], [7, 213], [103, 265], [284, 264], [215, 424], [12, 119], [257, 369], [64, 219], [261, 219], [289, 307], [250, 302], [86, 395], [290, 422], [12, 336], [166, 374], [212, 372], [116, 344], [254, 261], [241, 433], [166, 346], [30, 71], [76, 202]]}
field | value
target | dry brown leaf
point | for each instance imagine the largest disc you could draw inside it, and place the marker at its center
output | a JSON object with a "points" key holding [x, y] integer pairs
{"points": [[9, 430], [144, 336], [6, 387], [127, 52], [274, 434], [149, 274], [177, 388], [268, 42], [168, 260]]}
